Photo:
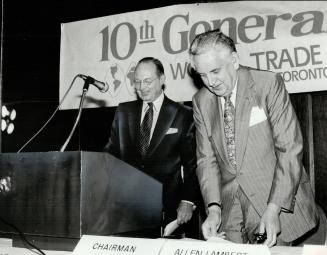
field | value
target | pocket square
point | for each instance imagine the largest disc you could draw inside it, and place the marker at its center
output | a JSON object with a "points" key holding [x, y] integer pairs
{"points": [[257, 115], [172, 131]]}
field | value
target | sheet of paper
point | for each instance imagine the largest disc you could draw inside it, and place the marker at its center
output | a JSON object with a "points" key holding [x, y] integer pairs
{"points": [[170, 228], [218, 239]]}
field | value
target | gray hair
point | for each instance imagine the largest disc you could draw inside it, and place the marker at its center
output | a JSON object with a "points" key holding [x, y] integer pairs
{"points": [[208, 40]]}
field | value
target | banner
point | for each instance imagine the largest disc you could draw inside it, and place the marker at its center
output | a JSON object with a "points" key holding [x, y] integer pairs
{"points": [[282, 36]]}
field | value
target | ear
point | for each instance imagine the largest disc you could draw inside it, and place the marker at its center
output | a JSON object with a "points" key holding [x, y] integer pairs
{"points": [[235, 60], [162, 79]]}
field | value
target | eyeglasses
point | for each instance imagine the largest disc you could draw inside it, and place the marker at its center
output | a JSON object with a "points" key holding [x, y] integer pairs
{"points": [[147, 82]]}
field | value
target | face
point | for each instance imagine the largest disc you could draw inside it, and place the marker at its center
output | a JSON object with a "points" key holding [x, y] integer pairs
{"points": [[218, 69], [147, 83]]}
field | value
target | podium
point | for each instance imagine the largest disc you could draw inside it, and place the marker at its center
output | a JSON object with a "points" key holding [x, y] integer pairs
{"points": [[56, 197]]}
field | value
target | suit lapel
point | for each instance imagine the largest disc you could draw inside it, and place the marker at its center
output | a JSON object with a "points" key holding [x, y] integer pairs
{"points": [[165, 119], [134, 119], [244, 103]]}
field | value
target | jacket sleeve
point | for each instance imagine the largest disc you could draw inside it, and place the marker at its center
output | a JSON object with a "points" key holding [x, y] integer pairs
{"points": [[288, 145], [112, 145], [190, 190], [207, 166]]}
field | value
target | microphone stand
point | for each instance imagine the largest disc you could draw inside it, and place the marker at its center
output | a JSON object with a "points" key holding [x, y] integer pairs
{"points": [[85, 89]]}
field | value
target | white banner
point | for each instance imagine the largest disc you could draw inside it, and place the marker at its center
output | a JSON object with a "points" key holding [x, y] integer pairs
{"points": [[286, 37]]}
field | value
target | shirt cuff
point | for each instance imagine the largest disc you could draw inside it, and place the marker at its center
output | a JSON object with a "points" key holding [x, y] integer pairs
{"points": [[189, 202]]}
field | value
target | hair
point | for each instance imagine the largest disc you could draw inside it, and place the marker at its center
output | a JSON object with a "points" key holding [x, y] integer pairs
{"points": [[208, 40], [156, 62]]}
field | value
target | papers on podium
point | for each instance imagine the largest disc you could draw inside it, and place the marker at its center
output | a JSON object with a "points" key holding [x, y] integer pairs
{"points": [[180, 247], [109, 245], [314, 250], [101, 245], [170, 228]]}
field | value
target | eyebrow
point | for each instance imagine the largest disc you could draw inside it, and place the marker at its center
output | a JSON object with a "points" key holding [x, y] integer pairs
{"points": [[214, 70]]}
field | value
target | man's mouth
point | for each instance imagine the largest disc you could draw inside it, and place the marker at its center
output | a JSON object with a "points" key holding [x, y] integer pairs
{"points": [[217, 86], [145, 93]]}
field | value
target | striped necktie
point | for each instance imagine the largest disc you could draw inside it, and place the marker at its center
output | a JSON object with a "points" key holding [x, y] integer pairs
{"points": [[145, 130]]}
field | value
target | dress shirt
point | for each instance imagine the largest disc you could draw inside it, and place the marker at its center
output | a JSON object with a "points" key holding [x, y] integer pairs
{"points": [[156, 109], [232, 98]]}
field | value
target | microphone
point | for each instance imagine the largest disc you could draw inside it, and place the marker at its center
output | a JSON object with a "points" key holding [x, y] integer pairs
{"points": [[102, 86]]}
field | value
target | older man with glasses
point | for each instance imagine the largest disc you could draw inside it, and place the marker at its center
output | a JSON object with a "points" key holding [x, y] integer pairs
{"points": [[156, 135]]}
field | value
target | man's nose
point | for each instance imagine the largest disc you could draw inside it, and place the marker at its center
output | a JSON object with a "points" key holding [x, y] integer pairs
{"points": [[143, 85], [211, 80]]}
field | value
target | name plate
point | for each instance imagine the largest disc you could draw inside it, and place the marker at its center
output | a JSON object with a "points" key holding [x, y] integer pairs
{"points": [[314, 250], [173, 247], [110, 245]]}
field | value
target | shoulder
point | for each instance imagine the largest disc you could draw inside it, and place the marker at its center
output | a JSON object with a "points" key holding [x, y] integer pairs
{"points": [[265, 85], [179, 107], [202, 99], [263, 80], [202, 94], [262, 75], [128, 105]]}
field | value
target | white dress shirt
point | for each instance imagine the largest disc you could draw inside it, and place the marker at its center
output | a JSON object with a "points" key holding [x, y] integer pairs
{"points": [[156, 109], [232, 98]]}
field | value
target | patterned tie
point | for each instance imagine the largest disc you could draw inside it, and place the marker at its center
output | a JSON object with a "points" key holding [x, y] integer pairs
{"points": [[145, 130], [229, 128]]}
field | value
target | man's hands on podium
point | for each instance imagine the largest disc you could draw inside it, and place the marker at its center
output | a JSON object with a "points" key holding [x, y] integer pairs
{"points": [[212, 223], [5, 185], [270, 224], [184, 212]]}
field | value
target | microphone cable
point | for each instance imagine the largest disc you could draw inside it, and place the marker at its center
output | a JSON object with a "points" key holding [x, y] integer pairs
{"points": [[53, 114], [22, 235]]}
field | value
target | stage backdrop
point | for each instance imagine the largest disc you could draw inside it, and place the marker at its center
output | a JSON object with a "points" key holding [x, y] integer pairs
{"points": [[286, 37]]}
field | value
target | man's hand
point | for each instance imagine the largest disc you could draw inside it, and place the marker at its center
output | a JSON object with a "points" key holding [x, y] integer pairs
{"points": [[212, 222], [184, 212], [5, 185], [270, 224]]}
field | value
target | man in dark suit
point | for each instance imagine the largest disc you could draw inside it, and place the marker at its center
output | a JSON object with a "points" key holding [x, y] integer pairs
{"points": [[249, 149], [156, 135]]}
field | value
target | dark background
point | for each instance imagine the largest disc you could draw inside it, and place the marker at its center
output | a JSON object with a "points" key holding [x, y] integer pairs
{"points": [[31, 54], [30, 84]]}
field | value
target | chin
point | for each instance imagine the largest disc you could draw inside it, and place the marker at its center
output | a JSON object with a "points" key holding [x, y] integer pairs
{"points": [[146, 99], [218, 93]]}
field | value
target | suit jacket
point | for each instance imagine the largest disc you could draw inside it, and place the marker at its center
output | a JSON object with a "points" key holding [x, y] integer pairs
{"points": [[268, 152], [172, 146]]}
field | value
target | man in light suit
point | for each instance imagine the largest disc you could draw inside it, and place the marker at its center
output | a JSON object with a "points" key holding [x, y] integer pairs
{"points": [[171, 146], [249, 149]]}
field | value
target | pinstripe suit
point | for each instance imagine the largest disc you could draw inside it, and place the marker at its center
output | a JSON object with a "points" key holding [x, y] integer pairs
{"points": [[268, 152]]}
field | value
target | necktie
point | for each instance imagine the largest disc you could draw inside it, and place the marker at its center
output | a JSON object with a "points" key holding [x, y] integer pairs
{"points": [[229, 128], [145, 130]]}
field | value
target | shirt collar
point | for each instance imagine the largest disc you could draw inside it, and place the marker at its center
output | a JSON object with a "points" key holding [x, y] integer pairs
{"points": [[233, 97], [156, 103]]}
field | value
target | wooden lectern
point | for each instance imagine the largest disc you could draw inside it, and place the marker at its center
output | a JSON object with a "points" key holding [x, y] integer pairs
{"points": [[56, 197]]}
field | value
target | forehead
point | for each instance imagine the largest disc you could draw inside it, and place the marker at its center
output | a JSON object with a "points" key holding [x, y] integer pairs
{"points": [[145, 70], [211, 59]]}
